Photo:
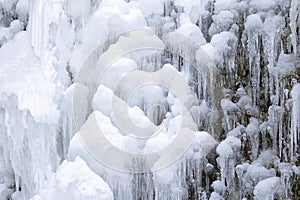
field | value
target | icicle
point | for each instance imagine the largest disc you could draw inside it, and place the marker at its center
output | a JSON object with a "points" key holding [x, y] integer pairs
{"points": [[274, 118], [294, 22], [286, 173], [228, 151], [24, 135], [252, 131], [295, 93]]}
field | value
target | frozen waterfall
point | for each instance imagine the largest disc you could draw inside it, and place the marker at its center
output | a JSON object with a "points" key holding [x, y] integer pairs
{"points": [[149, 99]]}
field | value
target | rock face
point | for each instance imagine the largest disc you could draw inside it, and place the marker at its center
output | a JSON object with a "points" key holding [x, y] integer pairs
{"points": [[218, 81]]}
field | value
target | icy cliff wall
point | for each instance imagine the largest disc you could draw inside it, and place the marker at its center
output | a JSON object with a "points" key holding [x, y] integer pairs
{"points": [[248, 100]]}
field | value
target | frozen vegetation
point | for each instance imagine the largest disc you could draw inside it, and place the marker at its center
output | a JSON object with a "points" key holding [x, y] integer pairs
{"points": [[228, 99]]}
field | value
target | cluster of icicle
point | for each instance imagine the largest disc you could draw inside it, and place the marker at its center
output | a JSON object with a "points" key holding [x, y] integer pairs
{"points": [[247, 98]]}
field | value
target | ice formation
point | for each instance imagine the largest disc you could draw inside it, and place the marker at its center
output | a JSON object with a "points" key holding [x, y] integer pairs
{"points": [[217, 81], [77, 175]]}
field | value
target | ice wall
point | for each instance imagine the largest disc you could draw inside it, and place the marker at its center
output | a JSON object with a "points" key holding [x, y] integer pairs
{"points": [[28, 135], [244, 86]]}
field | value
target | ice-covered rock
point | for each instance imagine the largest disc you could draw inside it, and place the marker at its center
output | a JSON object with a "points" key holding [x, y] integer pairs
{"points": [[75, 180], [266, 189]]}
